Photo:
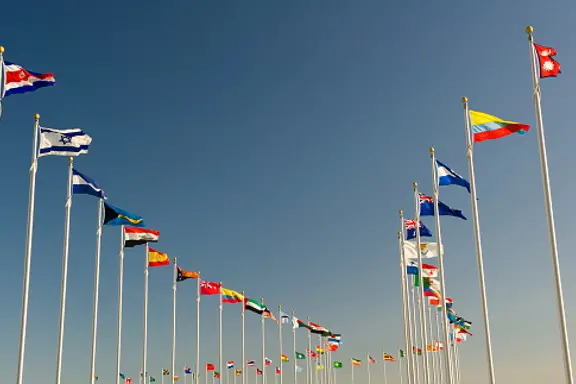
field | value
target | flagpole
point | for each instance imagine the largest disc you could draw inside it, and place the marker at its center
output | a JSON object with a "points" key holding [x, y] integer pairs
{"points": [[96, 291], [352, 372], [478, 242], [63, 288], [400, 368], [162, 377], [263, 345], [28, 252], [244, 371], [309, 358], [424, 335], [173, 362], [145, 326], [281, 352], [198, 330], [206, 375], [318, 358], [550, 211], [435, 366], [405, 310], [120, 297], [220, 307], [415, 362], [368, 366], [441, 376], [384, 368], [294, 351]]}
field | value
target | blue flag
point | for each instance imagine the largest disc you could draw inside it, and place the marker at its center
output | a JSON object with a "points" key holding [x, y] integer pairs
{"points": [[412, 268], [427, 208], [116, 216], [83, 185], [411, 230], [446, 176]]}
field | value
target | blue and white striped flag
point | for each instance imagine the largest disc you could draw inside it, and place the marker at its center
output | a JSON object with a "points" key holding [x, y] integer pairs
{"points": [[83, 185], [63, 142]]}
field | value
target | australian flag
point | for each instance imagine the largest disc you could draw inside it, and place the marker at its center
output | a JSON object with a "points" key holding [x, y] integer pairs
{"points": [[427, 208], [411, 230]]}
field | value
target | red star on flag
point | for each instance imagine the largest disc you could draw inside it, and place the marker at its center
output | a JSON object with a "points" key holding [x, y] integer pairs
{"points": [[548, 66]]}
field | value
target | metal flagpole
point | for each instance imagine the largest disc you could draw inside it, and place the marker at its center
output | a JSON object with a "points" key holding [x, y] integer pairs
{"points": [[206, 375], [368, 366], [280, 335], [478, 241], [294, 351], [96, 291], [220, 307], [120, 297], [400, 367], [440, 374], [424, 334], [550, 211], [173, 362], [405, 311], [263, 345], [457, 360], [413, 330], [145, 331], [318, 359], [243, 365], [309, 358], [64, 281], [435, 366], [162, 377], [384, 369], [352, 372], [198, 330], [28, 252]]}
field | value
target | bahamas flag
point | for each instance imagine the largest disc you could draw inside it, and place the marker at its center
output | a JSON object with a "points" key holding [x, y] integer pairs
{"points": [[489, 127], [116, 216]]}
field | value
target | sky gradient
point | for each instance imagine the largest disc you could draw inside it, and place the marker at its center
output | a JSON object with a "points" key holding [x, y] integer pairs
{"points": [[272, 144]]}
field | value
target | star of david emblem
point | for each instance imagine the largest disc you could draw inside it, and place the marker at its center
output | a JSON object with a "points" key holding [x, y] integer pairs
{"points": [[65, 139]]}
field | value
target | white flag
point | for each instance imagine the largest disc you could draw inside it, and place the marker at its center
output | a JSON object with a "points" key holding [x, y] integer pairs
{"points": [[63, 142], [427, 249]]}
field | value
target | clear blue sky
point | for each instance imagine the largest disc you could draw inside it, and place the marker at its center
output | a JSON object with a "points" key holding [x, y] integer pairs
{"points": [[272, 145]]}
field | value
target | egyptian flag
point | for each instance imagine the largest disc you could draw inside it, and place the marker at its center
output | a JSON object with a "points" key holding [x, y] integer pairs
{"points": [[137, 236]]}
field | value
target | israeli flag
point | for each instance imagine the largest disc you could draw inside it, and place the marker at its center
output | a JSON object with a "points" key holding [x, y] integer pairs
{"points": [[63, 142], [83, 185], [446, 176]]}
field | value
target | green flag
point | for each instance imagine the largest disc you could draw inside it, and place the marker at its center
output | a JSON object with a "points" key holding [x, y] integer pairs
{"points": [[300, 356], [337, 364], [152, 380], [401, 353]]}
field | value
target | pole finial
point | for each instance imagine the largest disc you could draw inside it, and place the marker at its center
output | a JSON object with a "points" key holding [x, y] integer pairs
{"points": [[415, 184], [1, 49], [400, 212], [431, 149], [70, 160], [36, 116], [529, 29], [464, 100], [399, 234]]}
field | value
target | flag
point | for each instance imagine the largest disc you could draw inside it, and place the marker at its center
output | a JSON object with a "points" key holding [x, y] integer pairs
{"points": [[238, 372], [431, 292], [187, 370], [210, 367], [116, 216], [436, 302], [427, 250], [157, 259], [311, 353], [152, 380], [319, 366], [254, 306], [429, 270], [128, 380], [337, 364], [297, 323], [95, 378], [184, 274], [412, 267], [548, 66], [138, 236], [371, 360], [429, 282], [231, 297], [209, 288], [335, 339], [258, 372], [320, 350], [63, 142], [319, 329], [300, 356], [356, 362], [284, 318], [176, 378], [488, 127], [416, 350], [250, 363], [431, 348], [230, 365], [299, 369], [19, 80], [278, 370], [401, 353], [122, 376], [284, 358], [269, 315], [83, 185], [165, 372], [216, 375], [388, 357], [411, 229], [267, 362], [446, 176], [427, 208], [440, 345]]}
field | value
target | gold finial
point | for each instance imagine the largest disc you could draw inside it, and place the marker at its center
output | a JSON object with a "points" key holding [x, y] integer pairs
{"points": [[262, 300], [464, 99], [431, 149], [415, 184], [529, 29], [399, 233], [400, 212], [1, 49], [36, 116], [70, 160]]}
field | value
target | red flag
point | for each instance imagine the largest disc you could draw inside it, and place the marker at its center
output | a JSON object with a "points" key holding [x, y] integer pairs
{"points": [[210, 367], [258, 372], [548, 66], [209, 288]]}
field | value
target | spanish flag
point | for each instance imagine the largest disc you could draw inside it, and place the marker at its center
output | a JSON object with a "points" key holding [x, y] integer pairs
{"points": [[157, 259]]}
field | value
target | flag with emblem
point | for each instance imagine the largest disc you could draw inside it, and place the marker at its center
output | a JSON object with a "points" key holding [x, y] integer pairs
{"points": [[427, 208], [427, 250], [184, 275], [411, 229], [116, 216], [19, 80], [157, 258], [209, 288], [63, 142], [548, 66], [139, 236]]}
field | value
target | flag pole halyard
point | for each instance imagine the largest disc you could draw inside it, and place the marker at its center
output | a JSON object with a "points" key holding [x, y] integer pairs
{"points": [[63, 288], [550, 211], [173, 355], [28, 252], [120, 309], [423, 330], [145, 325], [96, 291], [477, 240], [405, 309]]}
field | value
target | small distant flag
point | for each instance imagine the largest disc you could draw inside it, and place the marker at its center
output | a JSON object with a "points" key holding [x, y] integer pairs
{"points": [[489, 127], [319, 329], [19, 80], [411, 229], [176, 378], [165, 372], [388, 357], [284, 318], [320, 350], [427, 208], [258, 372], [209, 288], [230, 365], [356, 362], [230, 296], [319, 366], [63, 142], [184, 275], [299, 369], [412, 267], [269, 315], [250, 363], [284, 358], [152, 380], [401, 353], [427, 250], [300, 356], [122, 376], [371, 360], [267, 362], [210, 367], [83, 185], [139, 236], [116, 216], [278, 371], [446, 176], [95, 378], [337, 364], [216, 374], [238, 372], [128, 380], [157, 259], [187, 370], [548, 66]]}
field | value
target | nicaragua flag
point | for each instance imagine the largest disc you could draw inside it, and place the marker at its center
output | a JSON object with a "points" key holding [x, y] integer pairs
{"points": [[63, 142], [19, 80], [427, 208], [446, 176], [411, 230], [83, 185]]}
